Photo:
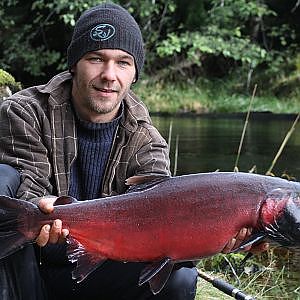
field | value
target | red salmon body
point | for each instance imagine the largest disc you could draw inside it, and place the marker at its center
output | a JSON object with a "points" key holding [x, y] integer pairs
{"points": [[174, 219], [183, 218]]}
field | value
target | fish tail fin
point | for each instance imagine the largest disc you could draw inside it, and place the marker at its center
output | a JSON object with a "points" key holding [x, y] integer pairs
{"points": [[13, 223]]}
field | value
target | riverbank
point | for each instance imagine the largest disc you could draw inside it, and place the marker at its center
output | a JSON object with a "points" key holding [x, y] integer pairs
{"points": [[213, 97], [269, 275]]}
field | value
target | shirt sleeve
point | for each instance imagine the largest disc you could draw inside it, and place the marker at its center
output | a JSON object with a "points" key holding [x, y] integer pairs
{"points": [[152, 158], [25, 144]]}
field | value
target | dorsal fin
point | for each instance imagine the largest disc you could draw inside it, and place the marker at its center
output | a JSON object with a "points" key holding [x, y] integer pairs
{"points": [[64, 200], [141, 179], [140, 183]]}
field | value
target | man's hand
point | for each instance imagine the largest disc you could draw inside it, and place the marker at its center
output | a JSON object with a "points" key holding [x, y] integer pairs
{"points": [[50, 234], [243, 234]]}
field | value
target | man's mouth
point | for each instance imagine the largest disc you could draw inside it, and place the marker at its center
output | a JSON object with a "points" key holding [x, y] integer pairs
{"points": [[104, 90]]}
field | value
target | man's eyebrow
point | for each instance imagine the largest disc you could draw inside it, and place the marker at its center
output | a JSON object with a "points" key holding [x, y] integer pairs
{"points": [[120, 56], [124, 56], [94, 53]]}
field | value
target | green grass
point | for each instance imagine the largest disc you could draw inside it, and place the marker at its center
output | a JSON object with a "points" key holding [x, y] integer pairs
{"points": [[210, 96], [272, 278], [259, 288], [205, 291]]}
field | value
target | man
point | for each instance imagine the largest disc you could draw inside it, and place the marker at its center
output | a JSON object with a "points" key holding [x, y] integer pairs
{"points": [[83, 134]]}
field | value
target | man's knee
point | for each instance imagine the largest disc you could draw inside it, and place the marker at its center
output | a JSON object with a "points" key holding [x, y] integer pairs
{"points": [[181, 285], [9, 180]]}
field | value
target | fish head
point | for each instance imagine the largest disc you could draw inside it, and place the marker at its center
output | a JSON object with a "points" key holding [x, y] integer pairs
{"points": [[281, 217]]}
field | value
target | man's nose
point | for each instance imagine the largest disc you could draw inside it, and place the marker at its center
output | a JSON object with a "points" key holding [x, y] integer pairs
{"points": [[108, 72]]}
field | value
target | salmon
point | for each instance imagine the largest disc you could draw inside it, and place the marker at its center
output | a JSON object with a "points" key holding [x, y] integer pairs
{"points": [[164, 221]]}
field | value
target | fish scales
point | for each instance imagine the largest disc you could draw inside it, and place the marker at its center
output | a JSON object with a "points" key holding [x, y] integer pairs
{"points": [[168, 218]]}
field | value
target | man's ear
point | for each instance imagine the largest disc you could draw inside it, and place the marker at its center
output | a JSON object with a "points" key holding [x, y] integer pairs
{"points": [[72, 70]]}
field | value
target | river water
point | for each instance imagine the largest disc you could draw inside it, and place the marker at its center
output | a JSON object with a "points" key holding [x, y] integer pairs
{"points": [[210, 142]]}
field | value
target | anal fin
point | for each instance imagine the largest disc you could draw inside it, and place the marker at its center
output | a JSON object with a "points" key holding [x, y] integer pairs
{"points": [[157, 274]]}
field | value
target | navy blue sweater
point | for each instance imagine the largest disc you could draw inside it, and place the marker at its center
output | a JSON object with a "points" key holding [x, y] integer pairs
{"points": [[94, 145]]}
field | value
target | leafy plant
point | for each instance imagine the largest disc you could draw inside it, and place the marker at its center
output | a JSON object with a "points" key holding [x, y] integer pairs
{"points": [[7, 79], [211, 38]]}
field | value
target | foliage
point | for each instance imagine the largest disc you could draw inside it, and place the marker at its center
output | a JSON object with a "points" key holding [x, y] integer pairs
{"points": [[212, 38], [7, 79], [29, 36], [225, 34], [63, 9], [156, 18], [236, 30], [202, 96]]}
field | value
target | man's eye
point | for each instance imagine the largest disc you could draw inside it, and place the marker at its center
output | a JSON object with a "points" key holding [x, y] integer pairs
{"points": [[95, 59], [124, 63]]}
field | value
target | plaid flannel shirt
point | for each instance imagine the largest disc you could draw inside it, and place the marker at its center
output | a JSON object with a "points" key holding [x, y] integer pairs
{"points": [[38, 138]]}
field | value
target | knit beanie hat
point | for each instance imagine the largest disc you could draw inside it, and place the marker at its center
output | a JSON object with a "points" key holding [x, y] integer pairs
{"points": [[106, 26]]}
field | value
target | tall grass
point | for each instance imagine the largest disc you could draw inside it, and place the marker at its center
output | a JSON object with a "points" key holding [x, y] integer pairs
{"points": [[204, 97], [289, 133], [244, 130], [264, 277]]}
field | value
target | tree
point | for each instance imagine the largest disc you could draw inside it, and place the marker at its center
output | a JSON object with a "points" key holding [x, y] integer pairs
{"points": [[207, 37]]}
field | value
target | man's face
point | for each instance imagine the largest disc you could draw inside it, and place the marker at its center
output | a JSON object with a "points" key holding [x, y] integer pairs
{"points": [[101, 80]]}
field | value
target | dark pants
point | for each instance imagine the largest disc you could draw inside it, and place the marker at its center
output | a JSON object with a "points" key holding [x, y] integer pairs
{"points": [[21, 273], [117, 281]]}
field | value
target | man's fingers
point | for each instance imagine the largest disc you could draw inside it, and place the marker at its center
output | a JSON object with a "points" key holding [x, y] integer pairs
{"points": [[46, 204], [229, 246], [64, 234], [241, 236], [43, 237], [55, 231], [52, 234], [237, 240], [261, 247]]}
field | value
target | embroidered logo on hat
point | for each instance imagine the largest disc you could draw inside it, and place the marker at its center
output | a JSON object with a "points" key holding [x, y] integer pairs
{"points": [[102, 32]]}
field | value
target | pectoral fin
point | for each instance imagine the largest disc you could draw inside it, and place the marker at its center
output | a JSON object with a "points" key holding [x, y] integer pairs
{"points": [[157, 274], [253, 239], [86, 262]]}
